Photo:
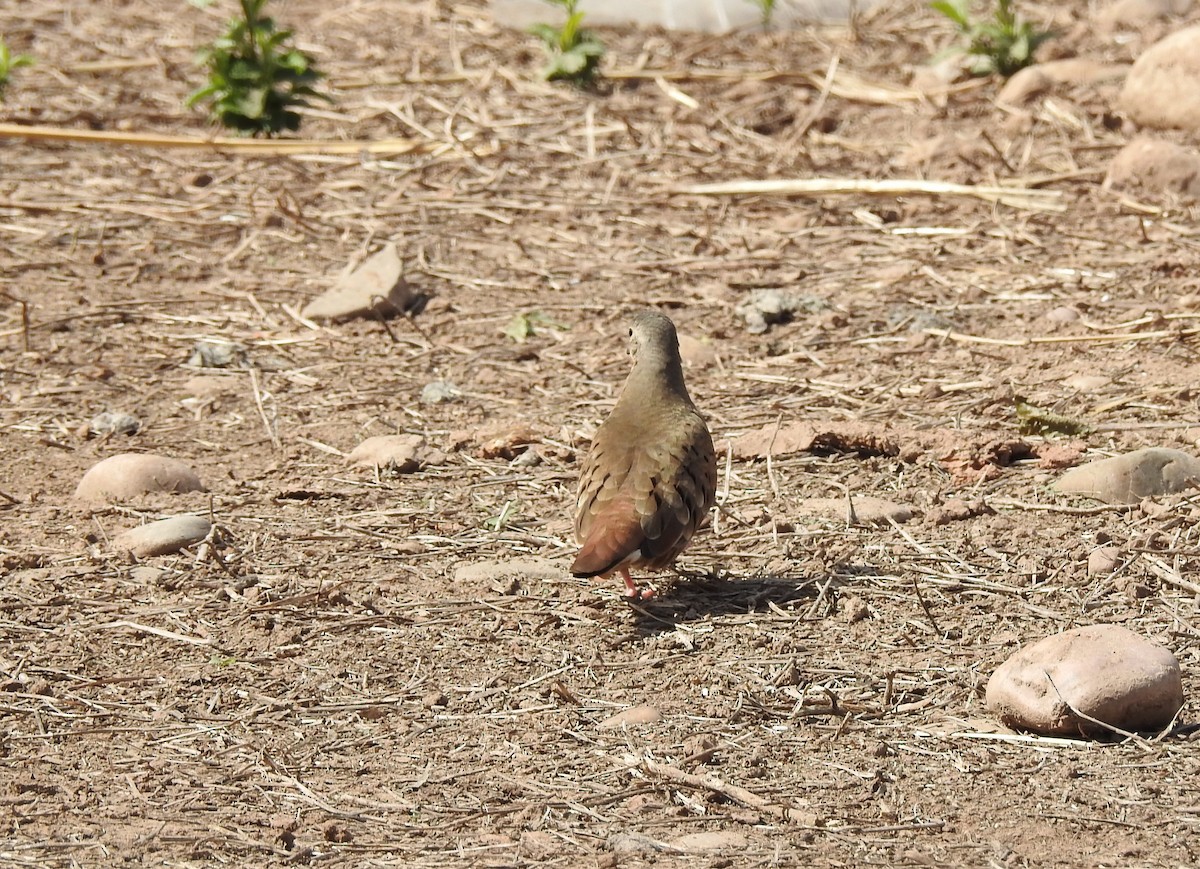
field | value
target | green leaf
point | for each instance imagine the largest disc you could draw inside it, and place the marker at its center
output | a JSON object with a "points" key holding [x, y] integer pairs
{"points": [[957, 11], [571, 63], [545, 33], [569, 36], [253, 103]]}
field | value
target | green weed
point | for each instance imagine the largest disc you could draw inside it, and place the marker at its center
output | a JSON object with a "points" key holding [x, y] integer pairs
{"points": [[256, 80], [9, 62], [525, 325], [766, 10], [1001, 44], [573, 53]]}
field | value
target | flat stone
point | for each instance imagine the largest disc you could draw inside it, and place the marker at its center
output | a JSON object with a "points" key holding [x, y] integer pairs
{"points": [[126, 476], [1127, 479], [1043, 78], [1106, 672], [162, 537], [400, 453], [1162, 89], [710, 842], [632, 716], [1156, 166], [376, 288]]}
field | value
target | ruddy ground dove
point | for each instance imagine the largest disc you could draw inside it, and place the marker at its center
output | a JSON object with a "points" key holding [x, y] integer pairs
{"points": [[651, 475]]}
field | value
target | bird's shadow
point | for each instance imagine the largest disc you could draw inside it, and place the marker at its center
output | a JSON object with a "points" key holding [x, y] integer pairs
{"points": [[692, 597]]}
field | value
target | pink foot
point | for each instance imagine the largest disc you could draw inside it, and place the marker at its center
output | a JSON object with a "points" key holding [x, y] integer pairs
{"points": [[632, 592]]}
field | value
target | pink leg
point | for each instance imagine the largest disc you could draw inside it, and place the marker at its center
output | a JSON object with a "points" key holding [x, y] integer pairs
{"points": [[632, 591]]}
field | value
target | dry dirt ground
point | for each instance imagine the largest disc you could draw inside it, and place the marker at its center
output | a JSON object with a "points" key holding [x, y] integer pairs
{"points": [[383, 670]]}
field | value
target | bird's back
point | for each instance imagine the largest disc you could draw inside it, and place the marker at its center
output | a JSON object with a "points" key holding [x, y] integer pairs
{"points": [[647, 484]]}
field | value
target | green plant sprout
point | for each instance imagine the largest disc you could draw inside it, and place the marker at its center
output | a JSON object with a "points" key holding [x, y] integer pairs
{"points": [[525, 325], [1002, 44], [766, 10], [9, 62], [574, 53], [256, 80]]}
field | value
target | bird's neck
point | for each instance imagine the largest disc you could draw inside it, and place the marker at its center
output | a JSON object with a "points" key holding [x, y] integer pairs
{"points": [[657, 379]]}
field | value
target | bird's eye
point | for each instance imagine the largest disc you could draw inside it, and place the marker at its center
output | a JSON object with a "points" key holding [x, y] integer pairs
{"points": [[631, 333]]}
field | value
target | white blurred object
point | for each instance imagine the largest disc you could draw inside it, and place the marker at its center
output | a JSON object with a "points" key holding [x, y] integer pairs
{"points": [[712, 16]]}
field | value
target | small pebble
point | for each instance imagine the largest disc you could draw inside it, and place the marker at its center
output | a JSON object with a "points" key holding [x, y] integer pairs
{"points": [[631, 716], [1103, 561], [1087, 382], [439, 391], [399, 453], [217, 354], [113, 423], [531, 458], [1063, 314]]}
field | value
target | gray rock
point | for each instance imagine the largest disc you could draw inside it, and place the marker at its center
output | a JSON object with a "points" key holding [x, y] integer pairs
{"points": [[767, 307], [163, 537], [126, 476], [1163, 88], [1156, 166], [438, 392], [1127, 479], [217, 354], [1106, 672], [113, 423]]}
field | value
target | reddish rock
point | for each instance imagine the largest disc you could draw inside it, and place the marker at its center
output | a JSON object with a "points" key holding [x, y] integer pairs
{"points": [[1106, 672]]}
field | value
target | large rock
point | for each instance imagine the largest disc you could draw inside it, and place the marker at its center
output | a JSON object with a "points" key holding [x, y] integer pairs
{"points": [[1156, 166], [126, 476], [1163, 88], [1128, 479], [1106, 672]]}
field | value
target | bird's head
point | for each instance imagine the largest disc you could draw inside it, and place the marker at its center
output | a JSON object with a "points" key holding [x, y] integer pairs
{"points": [[652, 338]]}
